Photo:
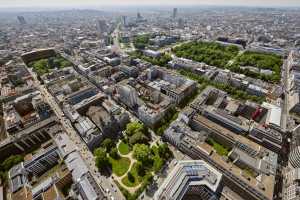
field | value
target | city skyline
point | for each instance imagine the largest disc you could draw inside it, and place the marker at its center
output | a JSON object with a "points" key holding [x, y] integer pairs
{"points": [[80, 3]]}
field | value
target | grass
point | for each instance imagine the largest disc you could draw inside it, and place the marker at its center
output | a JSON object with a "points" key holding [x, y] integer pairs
{"points": [[249, 172], [124, 148], [119, 166], [137, 178], [221, 150], [44, 66]]}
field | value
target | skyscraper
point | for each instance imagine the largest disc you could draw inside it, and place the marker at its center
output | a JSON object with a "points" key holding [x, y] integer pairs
{"points": [[22, 20], [180, 23], [139, 16], [124, 21], [174, 13], [102, 26]]}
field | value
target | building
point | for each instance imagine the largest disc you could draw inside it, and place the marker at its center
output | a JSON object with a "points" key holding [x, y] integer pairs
{"points": [[269, 138], [151, 53], [128, 95], [109, 118], [222, 77], [176, 87], [45, 159], [102, 26], [291, 185], [85, 186], [256, 90], [38, 54], [22, 20], [294, 156], [25, 111], [193, 144], [88, 131], [174, 14], [190, 177], [130, 71], [273, 116], [294, 101]]}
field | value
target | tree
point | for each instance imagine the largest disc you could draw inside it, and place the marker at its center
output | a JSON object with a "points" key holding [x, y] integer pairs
{"points": [[11, 161], [134, 127], [101, 158], [108, 144], [164, 151], [130, 177], [140, 169], [138, 138], [142, 153], [137, 133], [114, 153]]}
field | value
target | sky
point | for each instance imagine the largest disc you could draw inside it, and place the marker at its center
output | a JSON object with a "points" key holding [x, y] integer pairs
{"points": [[77, 3]]}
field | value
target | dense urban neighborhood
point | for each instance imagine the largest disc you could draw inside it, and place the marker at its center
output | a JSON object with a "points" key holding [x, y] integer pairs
{"points": [[182, 103]]}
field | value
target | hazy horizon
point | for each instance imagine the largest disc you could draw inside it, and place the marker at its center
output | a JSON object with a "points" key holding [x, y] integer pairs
{"points": [[130, 3]]}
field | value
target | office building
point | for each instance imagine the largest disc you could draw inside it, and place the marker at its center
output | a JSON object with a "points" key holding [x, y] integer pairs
{"points": [[190, 177], [174, 14]]}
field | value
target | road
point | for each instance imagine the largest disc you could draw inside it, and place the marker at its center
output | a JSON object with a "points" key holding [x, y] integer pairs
{"points": [[86, 154], [285, 110]]}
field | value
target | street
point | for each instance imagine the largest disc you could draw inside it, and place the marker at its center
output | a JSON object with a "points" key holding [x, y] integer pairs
{"points": [[86, 154]]}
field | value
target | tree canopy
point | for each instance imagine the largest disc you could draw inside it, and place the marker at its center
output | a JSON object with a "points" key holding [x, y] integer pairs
{"points": [[142, 153], [211, 53], [101, 158]]}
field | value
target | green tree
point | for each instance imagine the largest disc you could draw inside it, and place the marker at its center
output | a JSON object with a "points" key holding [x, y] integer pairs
{"points": [[11, 161], [140, 169], [142, 153], [138, 137], [134, 127], [164, 151], [130, 177], [108, 144], [101, 158], [114, 153]]}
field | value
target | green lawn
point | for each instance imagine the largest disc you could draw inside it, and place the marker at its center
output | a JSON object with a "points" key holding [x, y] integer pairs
{"points": [[43, 66], [221, 150], [137, 178], [124, 148], [119, 166]]}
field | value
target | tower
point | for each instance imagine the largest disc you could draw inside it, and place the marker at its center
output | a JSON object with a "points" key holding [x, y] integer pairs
{"points": [[174, 13], [21, 20], [102, 26], [124, 21]]}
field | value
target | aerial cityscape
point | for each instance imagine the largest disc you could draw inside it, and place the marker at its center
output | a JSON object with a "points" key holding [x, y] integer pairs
{"points": [[161, 100]]}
